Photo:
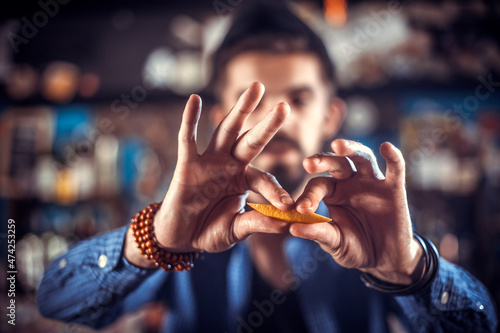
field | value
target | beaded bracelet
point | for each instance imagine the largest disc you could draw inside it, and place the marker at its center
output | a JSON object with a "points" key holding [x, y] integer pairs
{"points": [[142, 226], [431, 259]]}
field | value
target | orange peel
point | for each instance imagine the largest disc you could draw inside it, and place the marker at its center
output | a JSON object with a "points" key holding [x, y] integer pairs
{"points": [[289, 216]]}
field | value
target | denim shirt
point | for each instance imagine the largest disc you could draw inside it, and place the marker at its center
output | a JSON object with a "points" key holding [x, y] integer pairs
{"points": [[93, 284]]}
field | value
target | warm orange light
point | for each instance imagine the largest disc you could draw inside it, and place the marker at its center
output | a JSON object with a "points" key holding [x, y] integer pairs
{"points": [[336, 12]]}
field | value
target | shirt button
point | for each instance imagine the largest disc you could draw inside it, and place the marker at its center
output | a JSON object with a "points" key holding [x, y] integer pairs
{"points": [[103, 260], [480, 306], [445, 297], [63, 263]]}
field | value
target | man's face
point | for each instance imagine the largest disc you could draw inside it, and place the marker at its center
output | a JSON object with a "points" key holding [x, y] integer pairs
{"points": [[297, 80]]}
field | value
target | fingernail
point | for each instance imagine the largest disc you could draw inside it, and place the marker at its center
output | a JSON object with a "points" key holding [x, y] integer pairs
{"points": [[286, 199], [306, 203], [316, 159]]}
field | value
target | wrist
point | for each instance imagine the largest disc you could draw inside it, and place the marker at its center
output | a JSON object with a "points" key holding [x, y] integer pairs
{"points": [[408, 273], [430, 271], [168, 237], [132, 253], [148, 246], [417, 265]]}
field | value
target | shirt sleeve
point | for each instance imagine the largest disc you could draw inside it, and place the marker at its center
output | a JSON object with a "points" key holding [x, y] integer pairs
{"points": [[455, 302], [88, 284]]}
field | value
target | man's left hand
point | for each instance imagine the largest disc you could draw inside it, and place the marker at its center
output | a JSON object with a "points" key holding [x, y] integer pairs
{"points": [[371, 228]]}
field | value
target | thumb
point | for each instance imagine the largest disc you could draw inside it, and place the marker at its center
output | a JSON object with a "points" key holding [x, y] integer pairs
{"points": [[327, 235], [252, 222]]}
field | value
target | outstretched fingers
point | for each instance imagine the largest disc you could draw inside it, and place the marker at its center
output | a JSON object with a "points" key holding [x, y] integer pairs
{"points": [[362, 156], [339, 167], [187, 133], [251, 143], [395, 171], [230, 127]]}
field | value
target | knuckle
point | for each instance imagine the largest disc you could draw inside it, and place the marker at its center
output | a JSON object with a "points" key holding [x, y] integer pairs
{"points": [[244, 110], [331, 248], [229, 129], [275, 123], [267, 177], [253, 144], [316, 182], [278, 191], [233, 236], [366, 154], [335, 246]]}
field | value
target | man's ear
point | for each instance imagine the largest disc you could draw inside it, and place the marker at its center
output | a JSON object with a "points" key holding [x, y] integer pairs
{"points": [[217, 113], [334, 117]]}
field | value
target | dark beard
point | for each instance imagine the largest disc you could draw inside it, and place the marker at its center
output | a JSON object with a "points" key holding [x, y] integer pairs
{"points": [[288, 181]]}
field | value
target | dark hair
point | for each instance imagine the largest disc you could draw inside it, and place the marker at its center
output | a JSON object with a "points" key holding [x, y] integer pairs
{"points": [[268, 27]]}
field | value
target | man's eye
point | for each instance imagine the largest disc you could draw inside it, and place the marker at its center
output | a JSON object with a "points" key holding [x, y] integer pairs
{"points": [[298, 101]]}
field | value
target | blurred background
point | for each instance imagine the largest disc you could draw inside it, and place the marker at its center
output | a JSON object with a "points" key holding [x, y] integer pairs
{"points": [[91, 94]]}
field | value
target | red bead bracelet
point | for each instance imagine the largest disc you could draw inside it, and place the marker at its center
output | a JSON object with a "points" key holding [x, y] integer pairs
{"points": [[143, 228]]}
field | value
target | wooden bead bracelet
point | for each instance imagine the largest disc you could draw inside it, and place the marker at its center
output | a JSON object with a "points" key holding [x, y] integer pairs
{"points": [[142, 226]]}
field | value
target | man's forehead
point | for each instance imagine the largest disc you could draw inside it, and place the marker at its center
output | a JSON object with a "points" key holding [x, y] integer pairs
{"points": [[280, 73], [290, 90], [259, 61]]}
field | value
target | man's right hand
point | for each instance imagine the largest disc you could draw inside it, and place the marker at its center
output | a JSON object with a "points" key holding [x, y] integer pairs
{"points": [[204, 205]]}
